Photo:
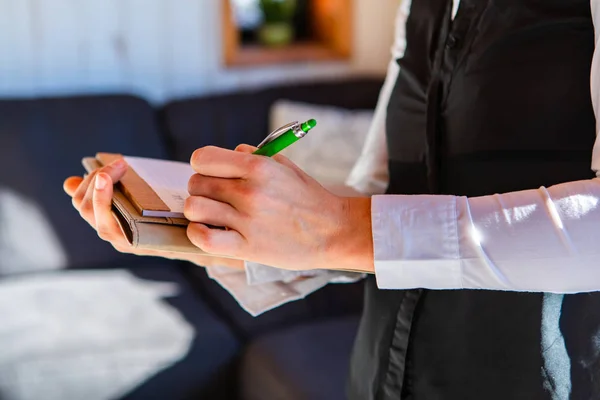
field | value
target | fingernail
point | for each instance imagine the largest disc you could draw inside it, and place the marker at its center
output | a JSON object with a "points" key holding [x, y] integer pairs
{"points": [[119, 163], [100, 182]]}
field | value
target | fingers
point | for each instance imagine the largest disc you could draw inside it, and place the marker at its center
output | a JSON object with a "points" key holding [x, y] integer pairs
{"points": [[115, 170], [281, 159], [106, 224], [246, 148], [219, 189], [83, 196], [71, 184], [211, 212], [82, 189], [222, 163], [86, 207], [215, 241]]}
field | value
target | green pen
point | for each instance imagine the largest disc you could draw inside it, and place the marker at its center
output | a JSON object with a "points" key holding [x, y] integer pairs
{"points": [[283, 137]]}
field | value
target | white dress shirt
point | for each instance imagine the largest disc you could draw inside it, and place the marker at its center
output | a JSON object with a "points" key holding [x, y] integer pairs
{"points": [[544, 239]]}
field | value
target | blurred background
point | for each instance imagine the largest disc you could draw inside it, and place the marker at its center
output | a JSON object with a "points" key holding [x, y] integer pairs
{"points": [[165, 49], [160, 78]]}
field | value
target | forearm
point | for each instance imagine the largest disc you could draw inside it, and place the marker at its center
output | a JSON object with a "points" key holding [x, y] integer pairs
{"points": [[535, 240]]}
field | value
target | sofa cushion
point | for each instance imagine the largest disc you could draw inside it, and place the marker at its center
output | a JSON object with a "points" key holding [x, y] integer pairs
{"points": [[42, 143], [310, 362], [329, 153], [108, 334], [227, 120]]}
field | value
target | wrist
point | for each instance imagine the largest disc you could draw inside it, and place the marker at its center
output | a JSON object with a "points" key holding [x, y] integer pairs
{"points": [[353, 245]]}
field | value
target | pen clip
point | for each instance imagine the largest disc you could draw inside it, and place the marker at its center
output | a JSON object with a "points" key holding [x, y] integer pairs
{"points": [[278, 132]]}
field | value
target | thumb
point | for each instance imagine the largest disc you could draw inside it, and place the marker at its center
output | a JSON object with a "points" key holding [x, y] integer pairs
{"points": [[103, 185], [102, 205]]}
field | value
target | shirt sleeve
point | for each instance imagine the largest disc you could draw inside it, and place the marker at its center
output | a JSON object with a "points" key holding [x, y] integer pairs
{"points": [[543, 240], [370, 173]]}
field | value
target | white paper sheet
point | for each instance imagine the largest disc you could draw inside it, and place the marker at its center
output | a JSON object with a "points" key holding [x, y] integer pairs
{"points": [[168, 179]]}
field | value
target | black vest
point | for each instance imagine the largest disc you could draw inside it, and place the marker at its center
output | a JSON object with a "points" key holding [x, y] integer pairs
{"points": [[496, 100]]}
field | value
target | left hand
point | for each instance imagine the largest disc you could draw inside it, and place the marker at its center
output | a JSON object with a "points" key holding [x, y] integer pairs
{"points": [[276, 214], [92, 198]]}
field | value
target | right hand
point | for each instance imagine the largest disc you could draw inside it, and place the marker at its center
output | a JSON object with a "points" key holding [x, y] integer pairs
{"points": [[92, 197]]}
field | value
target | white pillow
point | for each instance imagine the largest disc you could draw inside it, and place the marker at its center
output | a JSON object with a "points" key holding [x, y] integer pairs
{"points": [[329, 151]]}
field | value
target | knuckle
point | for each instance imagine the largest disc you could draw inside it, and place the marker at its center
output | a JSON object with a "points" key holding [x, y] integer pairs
{"points": [[86, 208], [104, 234], [258, 166], [208, 243], [199, 237], [249, 193]]}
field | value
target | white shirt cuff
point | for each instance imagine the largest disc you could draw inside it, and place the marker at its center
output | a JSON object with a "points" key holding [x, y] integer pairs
{"points": [[415, 242]]}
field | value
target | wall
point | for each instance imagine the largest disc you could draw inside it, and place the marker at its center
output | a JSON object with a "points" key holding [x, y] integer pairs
{"points": [[160, 49]]}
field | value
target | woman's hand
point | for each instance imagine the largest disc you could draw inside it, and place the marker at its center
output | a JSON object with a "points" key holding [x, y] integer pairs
{"points": [[276, 214], [92, 197]]}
